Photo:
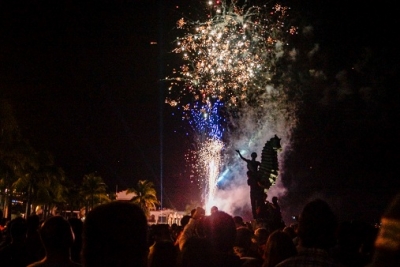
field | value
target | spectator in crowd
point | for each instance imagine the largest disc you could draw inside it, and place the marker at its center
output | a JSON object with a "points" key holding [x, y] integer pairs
{"points": [[239, 222], [16, 253], [115, 234], [57, 238], [162, 252], [350, 240], [276, 216], [191, 229], [317, 229], [291, 231], [33, 242], [245, 248], [220, 231], [77, 228], [279, 247], [196, 253], [175, 230], [214, 209], [259, 239], [6, 240], [184, 221]]}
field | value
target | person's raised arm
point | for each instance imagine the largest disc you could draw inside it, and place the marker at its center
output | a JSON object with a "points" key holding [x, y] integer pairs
{"points": [[243, 158], [190, 229]]}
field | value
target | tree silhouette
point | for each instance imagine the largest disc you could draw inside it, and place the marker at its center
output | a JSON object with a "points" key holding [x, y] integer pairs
{"points": [[94, 190], [15, 154], [145, 195]]}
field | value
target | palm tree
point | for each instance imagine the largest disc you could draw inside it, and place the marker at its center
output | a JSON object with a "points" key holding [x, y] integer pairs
{"points": [[23, 169], [15, 154], [73, 197], [50, 190], [94, 190], [146, 196], [43, 182]]}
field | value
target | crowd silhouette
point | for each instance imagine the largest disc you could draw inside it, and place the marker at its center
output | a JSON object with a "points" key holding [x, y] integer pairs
{"points": [[118, 234]]}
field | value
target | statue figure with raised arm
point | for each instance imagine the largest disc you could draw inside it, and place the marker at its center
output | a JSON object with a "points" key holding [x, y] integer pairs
{"points": [[252, 164]]}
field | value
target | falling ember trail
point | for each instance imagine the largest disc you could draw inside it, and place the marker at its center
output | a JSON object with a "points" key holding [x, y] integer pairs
{"points": [[210, 162]]}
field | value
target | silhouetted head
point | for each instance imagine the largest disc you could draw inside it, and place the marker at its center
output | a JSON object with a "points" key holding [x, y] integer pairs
{"points": [[56, 234], [160, 232], [33, 223], [185, 220], [274, 200], [253, 155], [238, 221], [243, 238], [220, 230], [279, 247], [196, 252], [317, 225], [290, 231], [214, 209], [260, 236], [165, 254], [18, 228], [115, 234]]}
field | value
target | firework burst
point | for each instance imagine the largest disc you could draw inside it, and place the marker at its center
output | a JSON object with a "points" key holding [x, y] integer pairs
{"points": [[229, 64], [231, 57]]}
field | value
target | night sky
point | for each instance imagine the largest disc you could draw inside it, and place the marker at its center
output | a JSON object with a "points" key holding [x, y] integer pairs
{"points": [[84, 80]]}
